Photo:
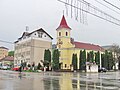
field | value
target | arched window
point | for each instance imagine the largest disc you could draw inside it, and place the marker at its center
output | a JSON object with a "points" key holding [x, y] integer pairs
{"points": [[59, 33], [66, 33]]}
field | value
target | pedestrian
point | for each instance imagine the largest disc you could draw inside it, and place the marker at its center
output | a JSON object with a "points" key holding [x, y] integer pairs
{"points": [[20, 69]]}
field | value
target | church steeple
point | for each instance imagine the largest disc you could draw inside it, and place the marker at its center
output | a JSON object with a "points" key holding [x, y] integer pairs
{"points": [[63, 24]]}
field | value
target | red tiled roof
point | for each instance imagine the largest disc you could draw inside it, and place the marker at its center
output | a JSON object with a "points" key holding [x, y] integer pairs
{"points": [[88, 46], [3, 47], [63, 24], [7, 58]]}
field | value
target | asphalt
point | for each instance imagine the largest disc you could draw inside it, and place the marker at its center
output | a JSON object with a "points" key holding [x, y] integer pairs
{"points": [[11, 80]]}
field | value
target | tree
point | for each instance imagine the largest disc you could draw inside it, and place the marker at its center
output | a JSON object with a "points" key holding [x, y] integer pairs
{"points": [[115, 49], [111, 61], [107, 60], [88, 57], [91, 56], [97, 58], [55, 58], [82, 60], [11, 53], [74, 61], [47, 57]]}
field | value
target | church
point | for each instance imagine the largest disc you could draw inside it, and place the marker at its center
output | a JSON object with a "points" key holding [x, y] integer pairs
{"points": [[67, 46]]}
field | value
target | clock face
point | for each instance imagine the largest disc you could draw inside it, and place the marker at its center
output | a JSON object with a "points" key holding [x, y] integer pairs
{"points": [[60, 42]]}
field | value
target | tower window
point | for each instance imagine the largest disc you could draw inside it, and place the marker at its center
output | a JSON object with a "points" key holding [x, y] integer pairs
{"points": [[59, 33], [66, 33], [65, 65]]}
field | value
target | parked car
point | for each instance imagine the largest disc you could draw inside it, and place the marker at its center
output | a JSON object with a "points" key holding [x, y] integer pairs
{"points": [[15, 69], [102, 69], [5, 67]]}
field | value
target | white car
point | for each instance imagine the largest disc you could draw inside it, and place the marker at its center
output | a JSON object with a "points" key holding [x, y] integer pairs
{"points": [[5, 67]]}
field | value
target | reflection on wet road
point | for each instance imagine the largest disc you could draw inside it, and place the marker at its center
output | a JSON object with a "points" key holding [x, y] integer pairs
{"points": [[10, 80]]}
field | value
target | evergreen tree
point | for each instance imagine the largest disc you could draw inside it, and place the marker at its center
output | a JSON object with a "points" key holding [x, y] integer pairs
{"points": [[74, 61], [80, 61], [102, 60], [84, 57], [106, 60], [47, 57], [91, 56], [55, 58], [111, 61], [97, 58], [88, 57]]}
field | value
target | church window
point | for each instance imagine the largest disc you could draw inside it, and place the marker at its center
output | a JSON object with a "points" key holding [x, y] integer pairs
{"points": [[66, 33], [65, 65], [59, 33]]}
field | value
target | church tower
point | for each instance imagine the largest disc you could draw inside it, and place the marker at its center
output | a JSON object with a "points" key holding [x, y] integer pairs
{"points": [[64, 43], [63, 35]]}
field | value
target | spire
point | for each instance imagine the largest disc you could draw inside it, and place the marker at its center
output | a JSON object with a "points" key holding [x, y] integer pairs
{"points": [[63, 24]]}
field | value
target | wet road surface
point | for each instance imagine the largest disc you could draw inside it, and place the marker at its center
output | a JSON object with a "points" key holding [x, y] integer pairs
{"points": [[10, 80]]}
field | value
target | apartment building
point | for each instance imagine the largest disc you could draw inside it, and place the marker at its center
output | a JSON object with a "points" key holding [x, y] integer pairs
{"points": [[30, 47], [3, 52]]}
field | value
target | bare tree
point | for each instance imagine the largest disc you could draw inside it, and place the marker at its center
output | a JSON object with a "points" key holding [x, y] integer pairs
{"points": [[115, 49]]}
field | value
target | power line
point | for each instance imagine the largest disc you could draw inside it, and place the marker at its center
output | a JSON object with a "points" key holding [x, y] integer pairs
{"points": [[94, 11], [6, 42], [111, 4], [107, 6]]}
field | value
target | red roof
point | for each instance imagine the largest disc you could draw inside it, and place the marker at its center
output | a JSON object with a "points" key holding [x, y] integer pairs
{"points": [[88, 46], [7, 58], [63, 24]]}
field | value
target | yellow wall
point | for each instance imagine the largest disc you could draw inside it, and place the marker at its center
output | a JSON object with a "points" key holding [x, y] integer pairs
{"points": [[67, 49]]}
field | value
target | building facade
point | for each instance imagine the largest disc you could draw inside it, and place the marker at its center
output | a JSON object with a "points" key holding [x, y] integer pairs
{"points": [[8, 60], [3, 52], [30, 47], [68, 46]]}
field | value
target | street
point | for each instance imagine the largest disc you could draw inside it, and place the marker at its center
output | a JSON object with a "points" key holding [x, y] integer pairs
{"points": [[11, 80]]}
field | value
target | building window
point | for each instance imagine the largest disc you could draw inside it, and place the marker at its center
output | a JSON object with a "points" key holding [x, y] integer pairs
{"points": [[65, 65], [40, 35], [89, 67], [59, 33], [66, 33]]}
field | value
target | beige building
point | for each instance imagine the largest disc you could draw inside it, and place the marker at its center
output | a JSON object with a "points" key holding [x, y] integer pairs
{"points": [[3, 52], [8, 60], [30, 47]]}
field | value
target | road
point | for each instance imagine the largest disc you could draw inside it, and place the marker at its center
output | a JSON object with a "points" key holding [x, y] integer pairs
{"points": [[11, 80]]}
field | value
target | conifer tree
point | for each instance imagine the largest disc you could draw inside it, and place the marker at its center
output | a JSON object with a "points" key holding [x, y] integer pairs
{"points": [[55, 58], [74, 61], [47, 57], [97, 58]]}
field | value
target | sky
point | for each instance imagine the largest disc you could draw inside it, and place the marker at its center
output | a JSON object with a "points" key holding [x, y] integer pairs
{"points": [[15, 15]]}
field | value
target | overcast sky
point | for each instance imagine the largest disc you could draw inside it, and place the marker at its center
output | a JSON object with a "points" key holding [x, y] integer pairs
{"points": [[15, 15]]}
